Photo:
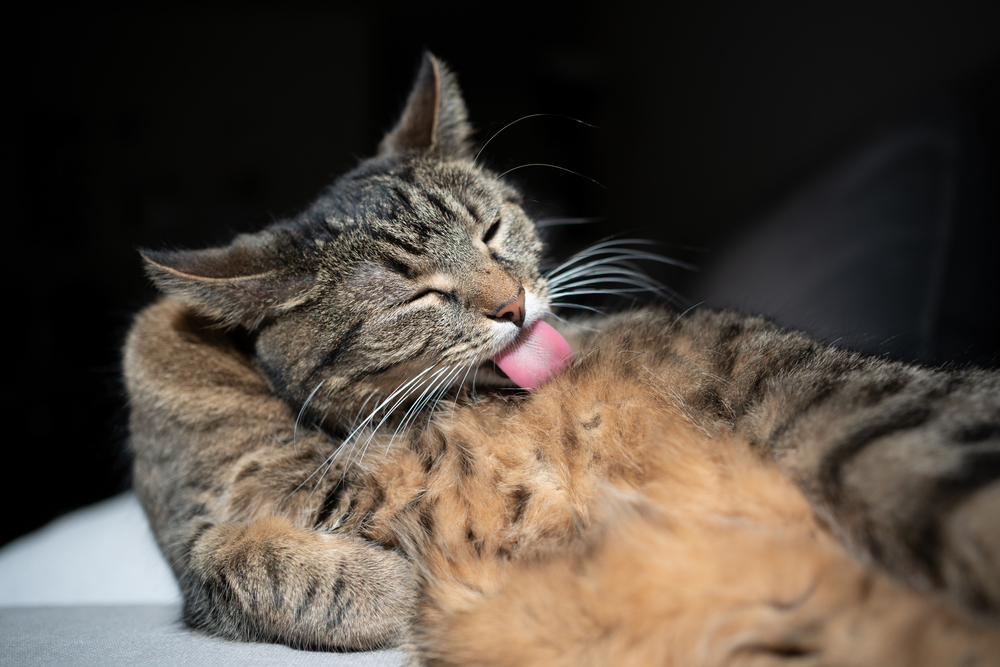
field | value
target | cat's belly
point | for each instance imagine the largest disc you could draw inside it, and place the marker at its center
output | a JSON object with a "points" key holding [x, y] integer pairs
{"points": [[504, 480]]}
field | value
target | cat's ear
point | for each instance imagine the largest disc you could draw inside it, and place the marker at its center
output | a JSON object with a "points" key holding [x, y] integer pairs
{"points": [[434, 119], [243, 283]]}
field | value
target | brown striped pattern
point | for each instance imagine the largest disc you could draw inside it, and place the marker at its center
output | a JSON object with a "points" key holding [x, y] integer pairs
{"points": [[700, 489]]}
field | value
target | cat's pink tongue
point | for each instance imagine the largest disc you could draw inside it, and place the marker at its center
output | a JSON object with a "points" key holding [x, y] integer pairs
{"points": [[540, 354]]}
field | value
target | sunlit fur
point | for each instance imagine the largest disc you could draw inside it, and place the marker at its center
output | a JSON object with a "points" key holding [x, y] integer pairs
{"points": [[328, 461]]}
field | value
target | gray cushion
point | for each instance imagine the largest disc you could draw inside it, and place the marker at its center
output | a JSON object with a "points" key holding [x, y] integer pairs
{"points": [[91, 588], [105, 636], [102, 554]]}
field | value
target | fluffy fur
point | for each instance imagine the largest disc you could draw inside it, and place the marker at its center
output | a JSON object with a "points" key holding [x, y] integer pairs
{"points": [[696, 489]]}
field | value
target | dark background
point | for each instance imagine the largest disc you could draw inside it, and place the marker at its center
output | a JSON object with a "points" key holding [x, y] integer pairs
{"points": [[164, 125]]}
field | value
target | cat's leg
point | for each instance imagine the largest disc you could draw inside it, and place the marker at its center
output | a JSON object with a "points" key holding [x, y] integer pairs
{"points": [[228, 485], [270, 581], [903, 462]]}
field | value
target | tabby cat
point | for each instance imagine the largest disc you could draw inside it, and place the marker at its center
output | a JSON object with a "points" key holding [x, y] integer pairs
{"points": [[331, 454]]}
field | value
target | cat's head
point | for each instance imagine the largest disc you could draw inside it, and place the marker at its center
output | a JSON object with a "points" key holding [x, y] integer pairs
{"points": [[419, 263]]}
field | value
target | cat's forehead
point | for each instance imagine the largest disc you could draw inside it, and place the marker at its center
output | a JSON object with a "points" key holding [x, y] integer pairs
{"points": [[425, 190], [413, 215]]}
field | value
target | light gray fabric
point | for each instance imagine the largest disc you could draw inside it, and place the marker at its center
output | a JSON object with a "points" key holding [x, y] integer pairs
{"points": [[149, 635], [91, 588], [101, 554]]}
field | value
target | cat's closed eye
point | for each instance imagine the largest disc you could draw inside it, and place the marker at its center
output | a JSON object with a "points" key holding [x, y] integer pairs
{"points": [[491, 232], [434, 293]]}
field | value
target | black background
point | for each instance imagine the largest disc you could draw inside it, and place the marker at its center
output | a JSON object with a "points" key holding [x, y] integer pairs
{"points": [[164, 125]]}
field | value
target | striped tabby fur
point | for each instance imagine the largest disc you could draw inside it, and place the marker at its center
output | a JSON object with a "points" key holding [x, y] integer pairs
{"points": [[696, 489]]}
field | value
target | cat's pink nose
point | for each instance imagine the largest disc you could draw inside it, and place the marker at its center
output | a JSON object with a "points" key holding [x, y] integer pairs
{"points": [[513, 310]]}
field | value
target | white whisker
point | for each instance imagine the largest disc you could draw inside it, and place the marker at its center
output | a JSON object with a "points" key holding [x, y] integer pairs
{"points": [[639, 281], [388, 413], [553, 166], [472, 387], [579, 307], [417, 406], [298, 418], [620, 292], [362, 408], [530, 115], [612, 266], [612, 254], [466, 377], [441, 393], [329, 461]]}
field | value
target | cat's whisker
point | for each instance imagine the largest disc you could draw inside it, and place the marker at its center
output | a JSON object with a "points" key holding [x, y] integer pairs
{"points": [[615, 267], [612, 275], [612, 247], [578, 306], [361, 410], [472, 386], [553, 166], [442, 389], [610, 278], [466, 377], [422, 400], [298, 418], [612, 257], [610, 289], [628, 284], [610, 267], [405, 389], [388, 413], [417, 406], [518, 120], [433, 395], [329, 461], [612, 241], [619, 292], [593, 250], [437, 386], [454, 403], [607, 263]]}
